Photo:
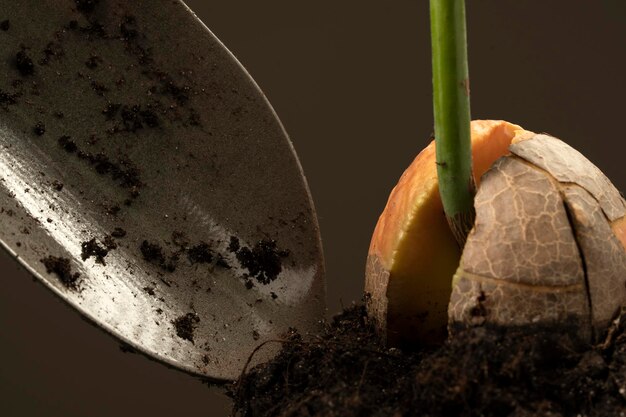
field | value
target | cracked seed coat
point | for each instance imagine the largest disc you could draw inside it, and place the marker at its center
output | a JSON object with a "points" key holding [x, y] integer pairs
{"points": [[542, 249]]}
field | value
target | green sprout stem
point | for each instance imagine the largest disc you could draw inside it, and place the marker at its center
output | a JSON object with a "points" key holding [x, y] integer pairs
{"points": [[452, 114]]}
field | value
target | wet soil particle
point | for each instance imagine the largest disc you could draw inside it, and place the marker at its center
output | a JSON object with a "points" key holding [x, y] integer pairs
{"points": [[39, 129], [63, 270], [122, 171], [263, 261], [200, 253], [93, 248], [109, 242], [118, 233], [7, 99], [234, 245], [67, 144], [481, 371], [57, 185], [24, 64], [153, 253], [5, 25], [186, 325]]}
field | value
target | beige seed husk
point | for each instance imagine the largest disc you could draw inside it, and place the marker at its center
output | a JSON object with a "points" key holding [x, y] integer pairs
{"points": [[542, 249]]}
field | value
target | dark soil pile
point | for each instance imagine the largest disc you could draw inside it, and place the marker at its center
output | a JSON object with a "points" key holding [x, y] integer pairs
{"points": [[263, 261], [186, 326], [62, 267], [153, 253], [93, 248], [480, 371]]}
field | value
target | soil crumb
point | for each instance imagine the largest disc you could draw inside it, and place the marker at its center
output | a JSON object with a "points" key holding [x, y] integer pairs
{"points": [[118, 233], [122, 171], [153, 253], [93, 248], [480, 371], [63, 269], [67, 144], [24, 64], [7, 99], [263, 261], [109, 242], [200, 253], [39, 129], [186, 325], [57, 185]]}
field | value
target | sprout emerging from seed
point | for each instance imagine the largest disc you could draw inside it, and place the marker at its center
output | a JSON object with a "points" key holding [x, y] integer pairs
{"points": [[547, 245], [543, 241]]}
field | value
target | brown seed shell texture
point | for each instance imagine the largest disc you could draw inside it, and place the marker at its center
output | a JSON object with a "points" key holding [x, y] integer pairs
{"points": [[543, 249]]}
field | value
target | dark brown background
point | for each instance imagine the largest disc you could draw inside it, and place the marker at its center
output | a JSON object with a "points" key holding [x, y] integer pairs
{"points": [[351, 82]]}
